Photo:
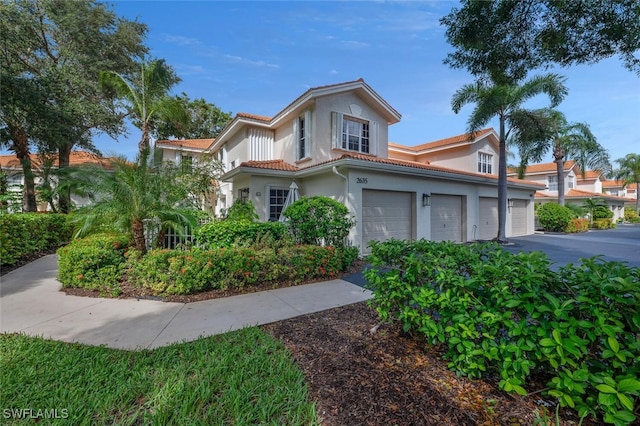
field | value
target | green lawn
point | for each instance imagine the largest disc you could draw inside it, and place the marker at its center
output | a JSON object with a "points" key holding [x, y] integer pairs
{"points": [[240, 378]]}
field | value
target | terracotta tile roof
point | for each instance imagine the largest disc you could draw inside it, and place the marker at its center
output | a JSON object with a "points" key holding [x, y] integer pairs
{"points": [[271, 165], [188, 143], [76, 158], [546, 167], [443, 142], [590, 174], [617, 183], [253, 116], [578, 193]]}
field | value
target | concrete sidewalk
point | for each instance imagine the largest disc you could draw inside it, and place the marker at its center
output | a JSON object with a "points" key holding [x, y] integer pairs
{"points": [[31, 303]]}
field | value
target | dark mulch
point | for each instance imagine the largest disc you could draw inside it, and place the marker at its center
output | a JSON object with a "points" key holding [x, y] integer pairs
{"points": [[386, 377]]}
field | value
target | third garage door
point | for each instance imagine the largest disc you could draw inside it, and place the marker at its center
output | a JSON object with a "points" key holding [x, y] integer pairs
{"points": [[446, 217], [488, 223], [385, 215]]}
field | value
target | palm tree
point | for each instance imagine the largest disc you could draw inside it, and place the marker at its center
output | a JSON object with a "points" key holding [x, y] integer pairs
{"points": [[145, 96], [566, 141], [504, 100], [629, 172], [127, 194]]}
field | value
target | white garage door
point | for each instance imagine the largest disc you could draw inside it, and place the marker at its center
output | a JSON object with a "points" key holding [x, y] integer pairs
{"points": [[446, 217], [519, 218], [385, 215], [488, 225]]}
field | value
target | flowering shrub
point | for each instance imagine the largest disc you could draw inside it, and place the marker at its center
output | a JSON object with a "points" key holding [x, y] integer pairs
{"points": [[603, 224], [24, 233], [95, 262], [577, 225]]}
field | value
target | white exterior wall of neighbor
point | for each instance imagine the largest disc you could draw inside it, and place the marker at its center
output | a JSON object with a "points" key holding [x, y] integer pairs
{"points": [[464, 157]]}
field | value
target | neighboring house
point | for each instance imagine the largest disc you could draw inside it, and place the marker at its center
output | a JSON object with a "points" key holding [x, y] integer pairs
{"points": [[576, 188], [333, 141], [615, 187], [12, 167]]}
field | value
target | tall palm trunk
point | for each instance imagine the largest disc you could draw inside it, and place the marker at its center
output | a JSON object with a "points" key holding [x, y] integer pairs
{"points": [[137, 228], [21, 148], [502, 184], [558, 158]]}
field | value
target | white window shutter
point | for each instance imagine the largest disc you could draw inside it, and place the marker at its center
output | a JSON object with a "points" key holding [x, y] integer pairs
{"points": [[373, 137], [336, 129], [307, 132]]}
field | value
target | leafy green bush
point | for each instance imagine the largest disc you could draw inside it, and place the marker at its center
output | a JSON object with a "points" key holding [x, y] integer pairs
{"points": [[602, 212], [243, 232], [24, 233], [95, 262], [192, 271], [317, 220], [242, 211], [577, 225], [630, 214], [554, 217], [510, 315]]}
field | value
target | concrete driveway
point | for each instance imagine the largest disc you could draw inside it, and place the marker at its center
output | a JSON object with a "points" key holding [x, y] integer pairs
{"points": [[621, 244]]}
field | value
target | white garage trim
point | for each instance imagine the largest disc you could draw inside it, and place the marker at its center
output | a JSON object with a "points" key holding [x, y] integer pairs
{"points": [[447, 217], [385, 215], [518, 217], [488, 219]]}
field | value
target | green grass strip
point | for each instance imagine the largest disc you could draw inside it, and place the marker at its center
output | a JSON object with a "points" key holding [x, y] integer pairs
{"points": [[239, 378]]}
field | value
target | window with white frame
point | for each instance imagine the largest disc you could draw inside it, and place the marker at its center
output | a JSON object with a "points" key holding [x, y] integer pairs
{"points": [[571, 183], [277, 198], [485, 162], [552, 183], [302, 138], [355, 135], [302, 135]]}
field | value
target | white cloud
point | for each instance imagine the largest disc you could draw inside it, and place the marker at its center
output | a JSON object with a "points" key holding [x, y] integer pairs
{"points": [[246, 61]]}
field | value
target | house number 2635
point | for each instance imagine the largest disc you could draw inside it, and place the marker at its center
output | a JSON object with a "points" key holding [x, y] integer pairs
{"points": [[362, 180]]}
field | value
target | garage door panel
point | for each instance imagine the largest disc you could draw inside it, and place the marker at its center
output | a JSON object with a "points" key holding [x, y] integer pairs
{"points": [[519, 218], [446, 217], [385, 215], [488, 218]]}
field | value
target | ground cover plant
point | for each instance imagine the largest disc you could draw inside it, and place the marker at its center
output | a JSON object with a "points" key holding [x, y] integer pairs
{"points": [[510, 317], [245, 377]]}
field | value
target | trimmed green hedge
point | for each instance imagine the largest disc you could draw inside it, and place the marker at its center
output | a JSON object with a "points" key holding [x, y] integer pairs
{"points": [[230, 233], [510, 316], [554, 217], [197, 270], [96, 262], [22, 234]]}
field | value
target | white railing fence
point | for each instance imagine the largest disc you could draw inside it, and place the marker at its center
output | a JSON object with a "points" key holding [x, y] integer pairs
{"points": [[172, 239]]}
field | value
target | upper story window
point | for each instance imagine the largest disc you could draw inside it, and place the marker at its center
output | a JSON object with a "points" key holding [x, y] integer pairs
{"points": [[302, 135], [571, 183], [552, 182], [613, 192], [485, 162], [354, 134]]}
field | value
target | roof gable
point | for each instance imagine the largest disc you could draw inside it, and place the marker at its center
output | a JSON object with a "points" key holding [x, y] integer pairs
{"points": [[447, 143]]}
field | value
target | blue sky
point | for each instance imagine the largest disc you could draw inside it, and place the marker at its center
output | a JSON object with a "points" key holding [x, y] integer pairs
{"points": [[256, 57]]}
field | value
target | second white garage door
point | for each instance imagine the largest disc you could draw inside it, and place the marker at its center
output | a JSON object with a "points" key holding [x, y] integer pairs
{"points": [[446, 217], [519, 218], [385, 215], [488, 221]]}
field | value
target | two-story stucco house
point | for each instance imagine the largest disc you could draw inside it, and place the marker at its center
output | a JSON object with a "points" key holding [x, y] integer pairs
{"points": [[333, 141], [577, 188]]}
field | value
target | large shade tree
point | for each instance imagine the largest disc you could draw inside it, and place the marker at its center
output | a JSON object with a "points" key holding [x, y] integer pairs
{"points": [[507, 39], [144, 96], [201, 120], [628, 172], [504, 101], [52, 53], [551, 131]]}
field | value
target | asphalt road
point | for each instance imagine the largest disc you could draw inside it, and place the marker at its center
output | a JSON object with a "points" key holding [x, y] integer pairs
{"points": [[621, 244]]}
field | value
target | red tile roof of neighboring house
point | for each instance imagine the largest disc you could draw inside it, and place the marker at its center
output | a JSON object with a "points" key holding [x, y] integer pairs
{"points": [[545, 167], [616, 183], [188, 143], [578, 193], [443, 142], [271, 165], [76, 158], [253, 116], [590, 174]]}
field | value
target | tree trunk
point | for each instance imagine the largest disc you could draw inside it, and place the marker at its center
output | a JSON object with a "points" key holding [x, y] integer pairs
{"points": [[637, 197], [137, 228], [64, 195], [502, 185], [21, 148], [560, 177]]}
